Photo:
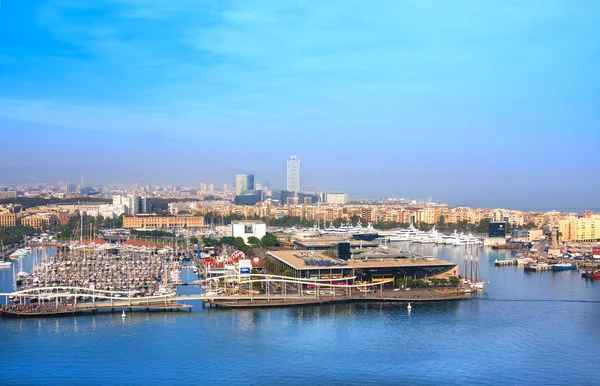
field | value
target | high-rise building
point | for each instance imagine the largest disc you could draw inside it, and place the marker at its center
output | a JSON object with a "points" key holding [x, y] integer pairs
{"points": [[72, 188], [293, 174], [143, 205], [243, 183]]}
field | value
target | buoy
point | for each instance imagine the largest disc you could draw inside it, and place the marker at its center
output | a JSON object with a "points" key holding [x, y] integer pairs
{"points": [[123, 315], [409, 306]]}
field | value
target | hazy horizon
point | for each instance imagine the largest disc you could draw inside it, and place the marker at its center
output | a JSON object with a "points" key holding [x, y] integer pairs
{"points": [[489, 104]]}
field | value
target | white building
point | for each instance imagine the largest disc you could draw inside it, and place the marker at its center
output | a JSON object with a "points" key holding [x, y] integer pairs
{"points": [[247, 228], [95, 210], [293, 174], [336, 198], [128, 202]]}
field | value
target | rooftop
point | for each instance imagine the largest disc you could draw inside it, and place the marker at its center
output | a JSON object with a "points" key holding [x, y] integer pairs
{"points": [[312, 259]]}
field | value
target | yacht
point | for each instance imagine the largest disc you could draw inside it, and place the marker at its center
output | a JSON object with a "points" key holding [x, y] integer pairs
{"points": [[357, 232]]}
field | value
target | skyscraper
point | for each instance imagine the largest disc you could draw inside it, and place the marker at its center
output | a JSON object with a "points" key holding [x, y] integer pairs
{"points": [[243, 183], [293, 174]]}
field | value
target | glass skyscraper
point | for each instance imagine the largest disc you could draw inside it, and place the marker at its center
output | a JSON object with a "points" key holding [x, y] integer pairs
{"points": [[293, 174], [243, 183]]}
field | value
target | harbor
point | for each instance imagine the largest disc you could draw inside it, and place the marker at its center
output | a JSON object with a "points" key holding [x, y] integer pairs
{"points": [[94, 277]]}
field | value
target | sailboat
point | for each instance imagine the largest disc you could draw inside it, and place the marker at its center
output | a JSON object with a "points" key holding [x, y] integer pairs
{"points": [[476, 282]]}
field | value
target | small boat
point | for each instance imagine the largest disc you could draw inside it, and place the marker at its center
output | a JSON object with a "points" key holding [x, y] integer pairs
{"points": [[409, 306], [5, 264], [591, 274], [479, 284], [123, 315], [563, 266]]}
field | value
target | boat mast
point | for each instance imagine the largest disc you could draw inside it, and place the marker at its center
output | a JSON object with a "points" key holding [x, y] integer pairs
{"points": [[81, 226]]}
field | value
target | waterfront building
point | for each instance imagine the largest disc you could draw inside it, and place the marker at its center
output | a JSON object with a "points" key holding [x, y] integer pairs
{"points": [[248, 228], [497, 230], [39, 220], [164, 222], [526, 235], [8, 219], [316, 265], [293, 174], [336, 198]]}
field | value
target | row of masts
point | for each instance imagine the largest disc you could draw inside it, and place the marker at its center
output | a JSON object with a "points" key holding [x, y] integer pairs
{"points": [[471, 268], [129, 269]]}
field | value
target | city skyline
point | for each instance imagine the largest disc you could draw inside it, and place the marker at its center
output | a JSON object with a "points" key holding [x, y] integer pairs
{"points": [[469, 102]]}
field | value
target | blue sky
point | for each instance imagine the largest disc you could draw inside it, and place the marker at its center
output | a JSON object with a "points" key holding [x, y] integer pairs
{"points": [[478, 102]]}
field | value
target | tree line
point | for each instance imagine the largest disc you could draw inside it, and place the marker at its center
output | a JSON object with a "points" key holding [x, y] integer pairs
{"points": [[16, 234]]}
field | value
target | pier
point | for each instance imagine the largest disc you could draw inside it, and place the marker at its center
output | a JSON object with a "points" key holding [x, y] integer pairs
{"points": [[505, 263]]}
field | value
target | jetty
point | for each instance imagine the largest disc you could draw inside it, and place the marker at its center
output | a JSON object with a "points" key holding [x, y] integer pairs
{"points": [[505, 262]]}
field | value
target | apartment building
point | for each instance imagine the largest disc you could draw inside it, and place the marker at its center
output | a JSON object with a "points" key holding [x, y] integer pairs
{"points": [[579, 229]]}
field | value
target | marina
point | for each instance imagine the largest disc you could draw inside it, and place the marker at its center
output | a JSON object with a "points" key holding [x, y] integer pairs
{"points": [[87, 278]]}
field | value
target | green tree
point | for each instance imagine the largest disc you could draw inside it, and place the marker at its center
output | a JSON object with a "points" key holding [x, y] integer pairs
{"points": [[193, 240], [454, 281], [269, 240], [253, 240]]}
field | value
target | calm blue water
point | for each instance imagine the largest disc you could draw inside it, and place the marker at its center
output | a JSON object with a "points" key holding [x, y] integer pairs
{"points": [[539, 328]]}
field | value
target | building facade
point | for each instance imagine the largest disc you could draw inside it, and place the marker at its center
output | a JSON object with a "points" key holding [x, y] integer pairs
{"points": [[245, 229], [243, 183], [293, 174], [165, 222], [336, 198], [8, 219], [39, 220], [579, 229]]}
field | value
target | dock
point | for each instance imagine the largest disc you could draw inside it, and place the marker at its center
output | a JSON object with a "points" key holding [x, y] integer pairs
{"points": [[505, 263], [414, 296], [62, 309], [537, 267]]}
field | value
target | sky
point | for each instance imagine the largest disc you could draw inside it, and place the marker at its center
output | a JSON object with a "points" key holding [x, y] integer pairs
{"points": [[482, 103]]}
